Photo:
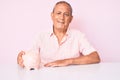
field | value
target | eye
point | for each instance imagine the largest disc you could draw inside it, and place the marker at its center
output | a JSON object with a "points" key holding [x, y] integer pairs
{"points": [[67, 14], [58, 13]]}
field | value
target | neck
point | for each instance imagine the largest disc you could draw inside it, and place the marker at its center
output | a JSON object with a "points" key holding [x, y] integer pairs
{"points": [[59, 34]]}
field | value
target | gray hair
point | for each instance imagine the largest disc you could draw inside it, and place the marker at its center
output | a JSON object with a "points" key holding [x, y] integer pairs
{"points": [[63, 2]]}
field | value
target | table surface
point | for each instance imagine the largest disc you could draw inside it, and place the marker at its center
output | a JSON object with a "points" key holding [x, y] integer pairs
{"points": [[101, 71]]}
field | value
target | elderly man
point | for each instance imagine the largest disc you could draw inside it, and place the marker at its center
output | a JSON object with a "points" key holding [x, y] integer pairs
{"points": [[62, 46]]}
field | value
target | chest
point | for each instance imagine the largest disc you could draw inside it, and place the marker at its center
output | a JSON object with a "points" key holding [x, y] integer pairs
{"points": [[51, 49]]}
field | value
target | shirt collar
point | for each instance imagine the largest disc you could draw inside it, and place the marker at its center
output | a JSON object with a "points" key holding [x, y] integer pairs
{"points": [[67, 33]]}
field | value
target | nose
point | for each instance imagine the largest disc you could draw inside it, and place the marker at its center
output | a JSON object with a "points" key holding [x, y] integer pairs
{"points": [[62, 16]]}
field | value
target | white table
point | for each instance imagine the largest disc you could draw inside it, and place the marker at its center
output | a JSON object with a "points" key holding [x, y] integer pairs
{"points": [[102, 71]]}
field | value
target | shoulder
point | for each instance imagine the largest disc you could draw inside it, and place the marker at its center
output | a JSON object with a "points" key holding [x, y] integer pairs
{"points": [[41, 35], [75, 32], [44, 34]]}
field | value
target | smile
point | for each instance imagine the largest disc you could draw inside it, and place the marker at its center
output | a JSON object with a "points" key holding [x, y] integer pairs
{"points": [[60, 22]]}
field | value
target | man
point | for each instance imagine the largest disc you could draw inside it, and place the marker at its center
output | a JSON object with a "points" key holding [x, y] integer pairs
{"points": [[63, 46]]}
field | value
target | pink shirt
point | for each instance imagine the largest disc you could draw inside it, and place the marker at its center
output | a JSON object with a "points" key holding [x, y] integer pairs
{"points": [[72, 44]]}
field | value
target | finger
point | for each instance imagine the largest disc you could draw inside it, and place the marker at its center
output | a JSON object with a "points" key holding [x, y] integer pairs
{"points": [[21, 62], [19, 58], [21, 53], [47, 65], [22, 65], [51, 65]]}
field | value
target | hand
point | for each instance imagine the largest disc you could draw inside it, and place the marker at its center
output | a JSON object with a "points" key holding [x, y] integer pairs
{"points": [[59, 63], [20, 59]]}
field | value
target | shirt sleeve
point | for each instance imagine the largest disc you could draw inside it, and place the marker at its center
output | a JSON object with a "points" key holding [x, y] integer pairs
{"points": [[85, 47], [36, 44]]}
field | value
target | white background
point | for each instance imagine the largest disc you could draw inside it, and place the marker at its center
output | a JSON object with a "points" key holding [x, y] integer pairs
{"points": [[22, 20]]}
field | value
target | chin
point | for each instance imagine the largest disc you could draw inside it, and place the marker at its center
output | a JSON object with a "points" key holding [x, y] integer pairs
{"points": [[61, 27]]}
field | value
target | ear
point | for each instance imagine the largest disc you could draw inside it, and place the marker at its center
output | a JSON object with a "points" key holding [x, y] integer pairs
{"points": [[52, 15]]}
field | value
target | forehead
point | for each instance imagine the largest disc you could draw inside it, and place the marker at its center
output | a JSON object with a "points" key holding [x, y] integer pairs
{"points": [[62, 6]]}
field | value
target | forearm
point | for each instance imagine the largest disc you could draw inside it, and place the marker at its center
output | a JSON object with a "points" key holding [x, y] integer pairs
{"points": [[88, 59]]}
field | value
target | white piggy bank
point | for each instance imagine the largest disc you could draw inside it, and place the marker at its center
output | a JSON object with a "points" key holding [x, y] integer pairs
{"points": [[31, 60]]}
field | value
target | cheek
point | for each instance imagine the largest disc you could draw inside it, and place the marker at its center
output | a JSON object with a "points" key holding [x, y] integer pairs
{"points": [[70, 20], [67, 21], [54, 19]]}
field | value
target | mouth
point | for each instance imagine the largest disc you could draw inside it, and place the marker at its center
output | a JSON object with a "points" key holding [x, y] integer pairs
{"points": [[61, 22]]}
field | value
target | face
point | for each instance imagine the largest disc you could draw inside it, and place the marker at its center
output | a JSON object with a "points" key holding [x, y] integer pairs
{"points": [[61, 16]]}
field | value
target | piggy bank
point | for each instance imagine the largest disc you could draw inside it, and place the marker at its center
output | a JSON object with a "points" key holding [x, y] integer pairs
{"points": [[31, 60]]}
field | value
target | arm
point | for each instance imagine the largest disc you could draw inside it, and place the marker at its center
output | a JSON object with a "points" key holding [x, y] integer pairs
{"points": [[88, 59]]}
